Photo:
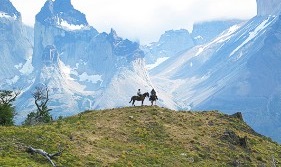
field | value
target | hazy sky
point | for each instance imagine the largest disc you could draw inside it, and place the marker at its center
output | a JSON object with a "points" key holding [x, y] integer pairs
{"points": [[146, 20]]}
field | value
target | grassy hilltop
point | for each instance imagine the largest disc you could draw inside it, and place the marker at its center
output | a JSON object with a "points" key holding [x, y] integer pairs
{"points": [[140, 136]]}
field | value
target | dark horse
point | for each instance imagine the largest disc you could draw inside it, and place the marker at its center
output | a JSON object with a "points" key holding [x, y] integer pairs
{"points": [[139, 98], [152, 99]]}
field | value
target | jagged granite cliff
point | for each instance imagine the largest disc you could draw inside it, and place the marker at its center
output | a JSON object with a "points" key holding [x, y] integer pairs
{"points": [[16, 46]]}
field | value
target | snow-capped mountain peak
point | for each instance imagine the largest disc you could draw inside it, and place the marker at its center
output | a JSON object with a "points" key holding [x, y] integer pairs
{"points": [[62, 14]]}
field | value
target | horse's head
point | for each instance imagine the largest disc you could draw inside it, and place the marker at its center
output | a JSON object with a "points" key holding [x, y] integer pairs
{"points": [[146, 94]]}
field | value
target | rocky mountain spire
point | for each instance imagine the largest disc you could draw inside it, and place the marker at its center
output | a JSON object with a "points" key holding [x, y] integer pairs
{"points": [[53, 12]]}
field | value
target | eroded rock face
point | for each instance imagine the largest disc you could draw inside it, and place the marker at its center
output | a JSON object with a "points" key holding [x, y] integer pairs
{"points": [[268, 7]]}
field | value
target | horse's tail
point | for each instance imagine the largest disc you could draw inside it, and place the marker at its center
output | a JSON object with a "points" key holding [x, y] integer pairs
{"points": [[131, 100]]}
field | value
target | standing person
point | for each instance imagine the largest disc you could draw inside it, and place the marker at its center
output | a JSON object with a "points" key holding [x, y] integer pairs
{"points": [[139, 92], [153, 93], [153, 96]]}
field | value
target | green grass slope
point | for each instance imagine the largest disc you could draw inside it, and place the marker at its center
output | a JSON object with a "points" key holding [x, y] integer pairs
{"points": [[139, 136]]}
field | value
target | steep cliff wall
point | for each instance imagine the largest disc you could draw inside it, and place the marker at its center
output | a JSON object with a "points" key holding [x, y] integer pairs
{"points": [[268, 7]]}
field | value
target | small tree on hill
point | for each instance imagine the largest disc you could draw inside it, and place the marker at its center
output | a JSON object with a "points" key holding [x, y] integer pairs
{"points": [[7, 111], [42, 115]]}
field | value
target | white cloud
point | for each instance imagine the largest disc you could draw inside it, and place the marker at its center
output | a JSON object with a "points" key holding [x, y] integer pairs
{"points": [[146, 20]]}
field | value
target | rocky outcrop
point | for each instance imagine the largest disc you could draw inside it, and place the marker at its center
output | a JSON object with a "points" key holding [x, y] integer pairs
{"points": [[234, 139], [237, 115], [268, 7]]}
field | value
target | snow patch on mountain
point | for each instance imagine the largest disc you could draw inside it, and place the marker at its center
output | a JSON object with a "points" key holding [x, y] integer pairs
{"points": [[73, 74], [66, 25], [66, 70], [27, 68], [205, 32], [13, 80], [225, 36], [200, 50], [70, 27], [90, 78], [157, 63], [7, 16], [254, 33]]}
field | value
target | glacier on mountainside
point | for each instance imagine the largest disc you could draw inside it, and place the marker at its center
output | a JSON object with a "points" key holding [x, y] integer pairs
{"points": [[204, 32], [175, 42]]}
